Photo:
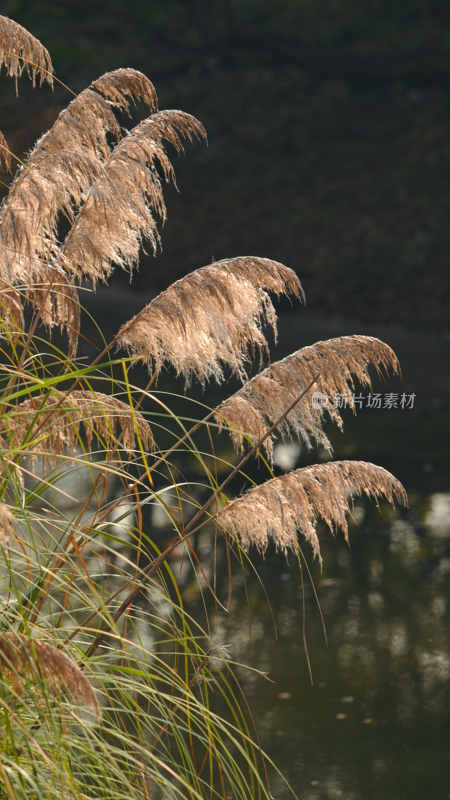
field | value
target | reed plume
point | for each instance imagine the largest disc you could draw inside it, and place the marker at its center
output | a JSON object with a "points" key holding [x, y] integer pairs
{"points": [[211, 318], [123, 86], [59, 170], [61, 167], [292, 503], [19, 50], [338, 362], [117, 214], [22, 658], [58, 302], [99, 413]]}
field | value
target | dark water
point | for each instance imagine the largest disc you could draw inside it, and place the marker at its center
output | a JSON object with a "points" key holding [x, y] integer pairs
{"points": [[375, 723]]}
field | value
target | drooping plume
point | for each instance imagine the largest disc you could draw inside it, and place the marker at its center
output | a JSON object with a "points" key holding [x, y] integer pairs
{"points": [[118, 213], [60, 169], [338, 362], [20, 51], [22, 658], [57, 299], [123, 86], [99, 413], [283, 507], [62, 166], [211, 318]]}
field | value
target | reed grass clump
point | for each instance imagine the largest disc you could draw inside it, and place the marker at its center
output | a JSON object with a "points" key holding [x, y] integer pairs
{"points": [[108, 686]]}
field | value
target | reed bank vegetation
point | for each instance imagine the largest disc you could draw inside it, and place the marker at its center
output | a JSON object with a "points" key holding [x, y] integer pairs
{"points": [[108, 687]]}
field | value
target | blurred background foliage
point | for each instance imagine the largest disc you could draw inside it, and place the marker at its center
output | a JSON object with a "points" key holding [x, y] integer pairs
{"points": [[328, 128]]}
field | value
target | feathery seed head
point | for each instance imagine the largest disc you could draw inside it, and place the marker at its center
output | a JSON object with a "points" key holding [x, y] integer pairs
{"points": [[57, 299], [117, 213], [211, 318], [98, 412], [20, 50], [244, 420], [338, 362], [292, 503], [22, 658], [124, 85], [61, 167]]}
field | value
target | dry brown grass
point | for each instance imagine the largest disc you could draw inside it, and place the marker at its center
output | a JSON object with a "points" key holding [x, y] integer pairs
{"points": [[338, 362], [60, 169], [22, 659], [210, 319], [118, 212], [21, 51], [292, 503], [100, 415]]}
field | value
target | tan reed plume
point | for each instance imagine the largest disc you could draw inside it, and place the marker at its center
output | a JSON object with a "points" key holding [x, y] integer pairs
{"points": [[98, 412], [19, 50], [59, 171], [211, 318], [117, 214], [292, 503], [57, 300], [124, 85], [338, 362], [22, 658], [64, 162]]}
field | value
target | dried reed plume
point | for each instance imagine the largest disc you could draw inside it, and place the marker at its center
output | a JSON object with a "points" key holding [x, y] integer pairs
{"points": [[124, 85], [99, 414], [254, 408], [5, 155], [22, 658], [20, 50], [210, 318], [62, 166], [57, 300], [293, 502], [7, 520], [117, 214]]}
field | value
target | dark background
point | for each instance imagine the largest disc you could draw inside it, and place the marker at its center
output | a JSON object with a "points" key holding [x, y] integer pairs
{"points": [[328, 125]]}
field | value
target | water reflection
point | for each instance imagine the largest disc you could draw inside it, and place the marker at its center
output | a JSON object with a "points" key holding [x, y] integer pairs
{"points": [[286, 455], [375, 723], [438, 517]]}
